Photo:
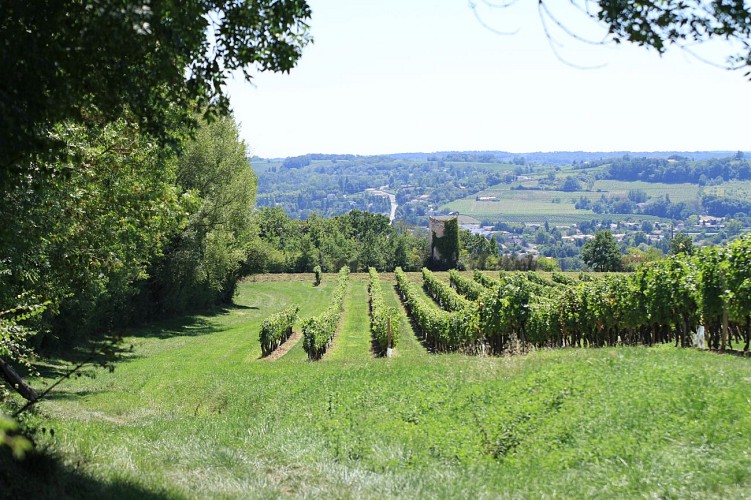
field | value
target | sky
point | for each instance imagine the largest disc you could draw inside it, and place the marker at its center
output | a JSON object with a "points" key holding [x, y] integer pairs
{"points": [[396, 76]]}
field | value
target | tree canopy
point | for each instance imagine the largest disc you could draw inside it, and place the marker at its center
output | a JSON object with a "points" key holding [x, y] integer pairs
{"points": [[66, 60], [602, 253], [656, 25], [681, 243], [679, 22]]}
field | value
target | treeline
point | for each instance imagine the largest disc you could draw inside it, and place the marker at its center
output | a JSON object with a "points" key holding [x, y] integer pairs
{"points": [[357, 240], [662, 206], [470, 157], [720, 206], [676, 169], [124, 230], [124, 190], [304, 160]]}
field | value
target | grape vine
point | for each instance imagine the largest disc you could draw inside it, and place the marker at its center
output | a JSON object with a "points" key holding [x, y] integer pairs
{"points": [[381, 316], [441, 330], [318, 331], [276, 329], [664, 301]]}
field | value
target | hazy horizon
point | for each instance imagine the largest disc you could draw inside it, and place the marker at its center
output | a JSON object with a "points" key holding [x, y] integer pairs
{"points": [[521, 153]]}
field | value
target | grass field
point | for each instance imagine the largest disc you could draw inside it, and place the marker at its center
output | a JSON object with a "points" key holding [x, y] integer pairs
{"points": [[740, 190], [526, 206], [677, 192], [193, 412], [536, 206]]}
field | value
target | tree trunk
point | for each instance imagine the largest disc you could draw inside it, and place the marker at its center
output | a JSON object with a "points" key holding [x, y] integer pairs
{"points": [[685, 334], [15, 381]]}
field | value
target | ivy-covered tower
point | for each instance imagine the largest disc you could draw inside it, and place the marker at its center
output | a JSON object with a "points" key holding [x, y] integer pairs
{"points": [[444, 242]]}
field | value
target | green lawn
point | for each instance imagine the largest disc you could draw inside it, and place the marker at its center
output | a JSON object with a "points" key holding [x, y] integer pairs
{"points": [[352, 342], [193, 412]]}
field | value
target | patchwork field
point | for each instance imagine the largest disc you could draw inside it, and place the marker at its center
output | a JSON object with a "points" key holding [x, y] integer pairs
{"points": [[677, 192], [193, 411], [502, 203], [740, 190]]}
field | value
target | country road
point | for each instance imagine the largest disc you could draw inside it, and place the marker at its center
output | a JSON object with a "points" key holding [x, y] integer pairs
{"points": [[392, 199]]}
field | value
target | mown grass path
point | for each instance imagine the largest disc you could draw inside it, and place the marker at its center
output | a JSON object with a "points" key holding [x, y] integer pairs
{"points": [[313, 300], [353, 340], [409, 346]]}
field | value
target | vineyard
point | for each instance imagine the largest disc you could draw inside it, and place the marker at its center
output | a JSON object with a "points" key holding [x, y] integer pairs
{"points": [[428, 384], [318, 331], [187, 314], [196, 410], [663, 302]]}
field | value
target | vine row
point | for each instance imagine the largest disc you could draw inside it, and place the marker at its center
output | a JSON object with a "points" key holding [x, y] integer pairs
{"points": [[446, 297], [276, 329], [665, 301], [441, 330], [382, 317], [472, 290], [318, 331]]}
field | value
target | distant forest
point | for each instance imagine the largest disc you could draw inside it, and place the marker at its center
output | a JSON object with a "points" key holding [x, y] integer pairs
{"points": [[676, 169]]}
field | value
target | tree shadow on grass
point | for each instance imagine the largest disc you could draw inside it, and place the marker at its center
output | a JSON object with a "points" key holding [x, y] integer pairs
{"points": [[184, 326], [233, 307], [107, 351], [187, 325], [100, 353], [42, 475]]}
